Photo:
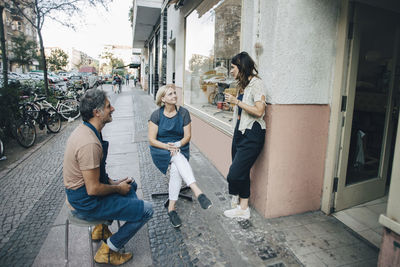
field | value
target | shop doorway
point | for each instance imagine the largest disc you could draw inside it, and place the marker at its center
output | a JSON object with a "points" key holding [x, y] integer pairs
{"points": [[371, 111], [370, 106]]}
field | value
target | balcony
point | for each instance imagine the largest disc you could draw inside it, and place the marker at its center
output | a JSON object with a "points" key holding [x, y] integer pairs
{"points": [[146, 14]]}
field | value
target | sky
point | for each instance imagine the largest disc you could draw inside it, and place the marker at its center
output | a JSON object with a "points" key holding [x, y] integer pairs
{"points": [[99, 27]]}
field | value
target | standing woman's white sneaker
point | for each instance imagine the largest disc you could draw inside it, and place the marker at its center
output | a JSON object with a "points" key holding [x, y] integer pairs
{"points": [[238, 213]]}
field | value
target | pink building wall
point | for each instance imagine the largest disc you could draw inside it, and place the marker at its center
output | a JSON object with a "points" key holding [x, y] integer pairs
{"points": [[389, 254], [287, 177]]}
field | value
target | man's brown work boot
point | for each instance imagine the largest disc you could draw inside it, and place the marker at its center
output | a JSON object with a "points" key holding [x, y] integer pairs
{"points": [[101, 232], [106, 255]]}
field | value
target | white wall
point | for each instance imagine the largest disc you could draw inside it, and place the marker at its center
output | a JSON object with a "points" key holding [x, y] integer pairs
{"points": [[174, 19], [298, 47]]}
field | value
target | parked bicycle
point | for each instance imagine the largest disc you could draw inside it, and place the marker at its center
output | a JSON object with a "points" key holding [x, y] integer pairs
{"points": [[24, 128], [67, 107], [44, 114]]}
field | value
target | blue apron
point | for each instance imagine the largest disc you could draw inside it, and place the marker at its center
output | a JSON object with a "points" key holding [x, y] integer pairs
{"points": [[79, 198], [109, 207], [104, 145], [170, 130]]}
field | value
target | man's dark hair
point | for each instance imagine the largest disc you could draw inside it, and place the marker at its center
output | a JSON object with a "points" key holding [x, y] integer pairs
{"points": [[93, 99]]}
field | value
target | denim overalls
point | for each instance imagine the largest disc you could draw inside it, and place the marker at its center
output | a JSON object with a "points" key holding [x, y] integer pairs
{"points": [[127, 207]]}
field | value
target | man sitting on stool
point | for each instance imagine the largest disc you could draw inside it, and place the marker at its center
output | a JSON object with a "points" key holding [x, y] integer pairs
{"points": [[90, 192]]}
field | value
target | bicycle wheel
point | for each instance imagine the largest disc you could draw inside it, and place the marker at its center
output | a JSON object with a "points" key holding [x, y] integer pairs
{"points": [[32, 110], [1, 149], [25, 133], [69, 109], [53, 122]]}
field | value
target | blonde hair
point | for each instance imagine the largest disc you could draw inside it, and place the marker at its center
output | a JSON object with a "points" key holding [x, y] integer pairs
{"points": [[161, 93]]}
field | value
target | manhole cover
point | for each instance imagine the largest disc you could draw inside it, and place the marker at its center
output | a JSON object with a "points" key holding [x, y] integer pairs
{"points": [[245, 224], [266, 253]]}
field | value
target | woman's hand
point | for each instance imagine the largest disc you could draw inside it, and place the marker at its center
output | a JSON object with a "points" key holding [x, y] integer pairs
{"points": [[231, 99], [173, 149]]}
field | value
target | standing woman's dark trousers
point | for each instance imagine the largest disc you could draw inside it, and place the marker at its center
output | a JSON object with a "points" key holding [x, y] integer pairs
{"points": [[245, 150]]}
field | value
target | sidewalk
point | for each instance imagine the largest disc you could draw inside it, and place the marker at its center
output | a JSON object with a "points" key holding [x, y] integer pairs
{"points": [[122, 161], [206, 237]]}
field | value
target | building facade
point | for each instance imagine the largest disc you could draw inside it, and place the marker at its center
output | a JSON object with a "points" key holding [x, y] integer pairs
{"points": [[123, 52], [329, 69], [78, 59], [17, 25]]}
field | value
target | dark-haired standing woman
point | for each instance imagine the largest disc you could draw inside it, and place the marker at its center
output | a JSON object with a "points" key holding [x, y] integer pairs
{"points": [[249, 133]]}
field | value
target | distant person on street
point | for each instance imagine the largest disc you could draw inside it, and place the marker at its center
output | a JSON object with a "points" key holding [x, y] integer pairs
{"points": [[91, 194], [249, 133], [127, 78], [117, 81], [169, 136]]}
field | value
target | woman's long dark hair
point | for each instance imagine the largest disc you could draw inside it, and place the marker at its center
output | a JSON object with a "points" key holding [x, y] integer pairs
{"points": [[246, 67]]}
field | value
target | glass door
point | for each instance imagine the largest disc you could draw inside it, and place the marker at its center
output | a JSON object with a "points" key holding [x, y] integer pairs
{"points": [[368, 119]]}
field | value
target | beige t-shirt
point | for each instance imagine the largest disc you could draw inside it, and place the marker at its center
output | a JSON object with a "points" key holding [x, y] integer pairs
{"points": [[83, 152]]}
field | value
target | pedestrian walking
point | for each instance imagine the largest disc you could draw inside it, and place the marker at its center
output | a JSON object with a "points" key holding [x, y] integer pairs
{"points": [[91, 194], [169, 136], [127, 78], [249, 133], [117, 81]]}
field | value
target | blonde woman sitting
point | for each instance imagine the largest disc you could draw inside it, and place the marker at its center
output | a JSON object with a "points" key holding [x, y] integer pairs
{"points": [[169, 136]]}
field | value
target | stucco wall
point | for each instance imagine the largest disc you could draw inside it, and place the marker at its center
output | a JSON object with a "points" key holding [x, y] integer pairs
{"points": [[172, 32], [214, 144], [288, 175], [298, 47], [298, 74]]}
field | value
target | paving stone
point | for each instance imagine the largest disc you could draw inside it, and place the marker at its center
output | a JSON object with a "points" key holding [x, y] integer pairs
{"points": [[35, 186]]}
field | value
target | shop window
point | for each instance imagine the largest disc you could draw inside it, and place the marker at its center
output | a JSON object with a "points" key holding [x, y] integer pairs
{"points": [[212, 39]]}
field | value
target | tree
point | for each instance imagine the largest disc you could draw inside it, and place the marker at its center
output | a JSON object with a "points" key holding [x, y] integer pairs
{"points": [[24, 50], [36, 11], [3, 47], [57, 60], [113, 62]]}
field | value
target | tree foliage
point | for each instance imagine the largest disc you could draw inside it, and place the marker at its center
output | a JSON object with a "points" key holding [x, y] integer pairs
{"points": [[57, 60], [113, 62], [24, 50], [36, 12]]}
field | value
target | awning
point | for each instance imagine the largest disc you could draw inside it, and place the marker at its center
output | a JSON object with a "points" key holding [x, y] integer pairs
{"points": [[146, 14]]}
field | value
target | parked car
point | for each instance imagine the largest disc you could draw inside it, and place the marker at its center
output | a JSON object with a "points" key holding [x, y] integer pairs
{"points": [[76, 81], [63, 75], [89, 79], [10, 81], [54, 78], [36, 75]]}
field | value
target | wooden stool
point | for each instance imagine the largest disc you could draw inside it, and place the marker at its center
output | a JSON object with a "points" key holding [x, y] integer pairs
{"points": [[83, 223]]}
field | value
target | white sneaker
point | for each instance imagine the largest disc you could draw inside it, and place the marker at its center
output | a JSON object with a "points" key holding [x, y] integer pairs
{"points": [[238, 213], [234, 201]]}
